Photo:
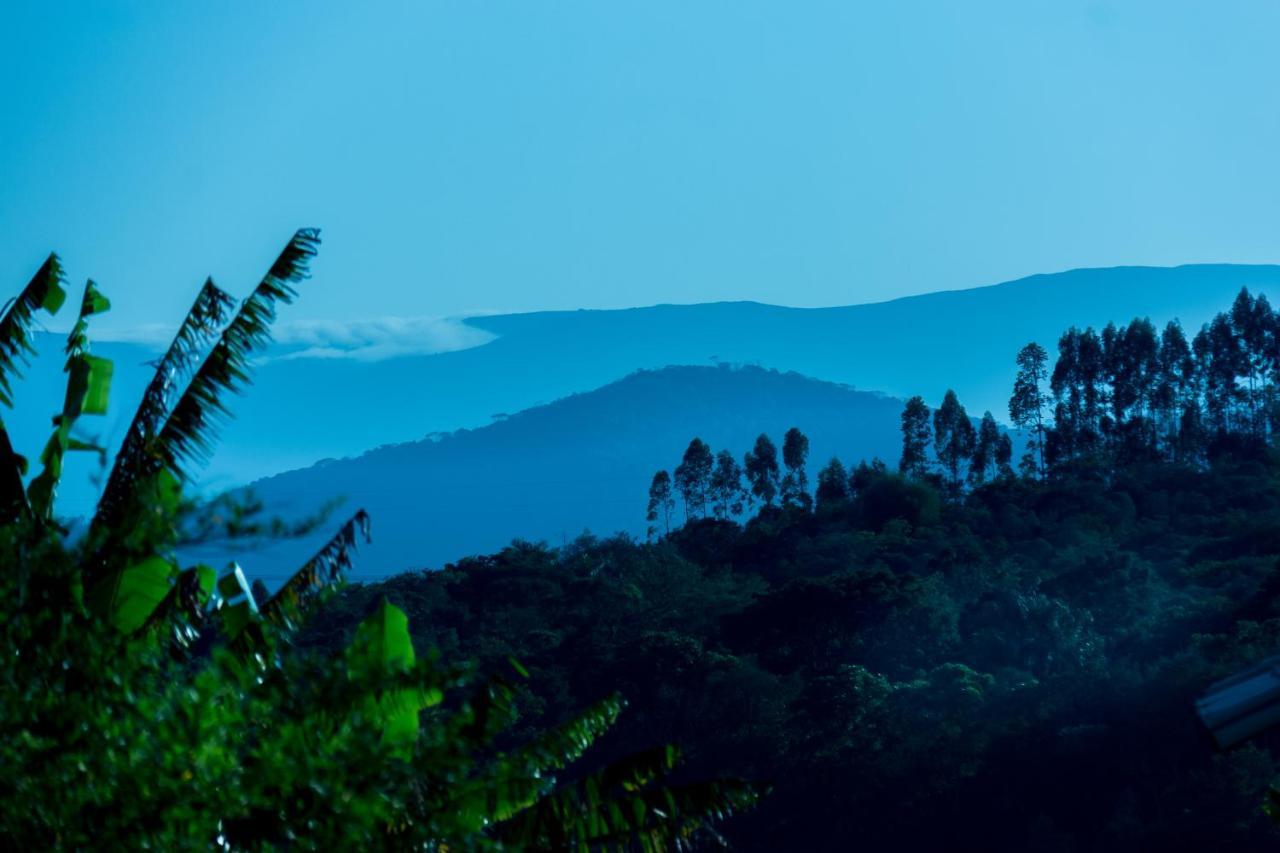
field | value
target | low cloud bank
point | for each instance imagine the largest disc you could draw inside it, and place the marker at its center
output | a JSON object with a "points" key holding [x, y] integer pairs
{"points": [[364, 340]]}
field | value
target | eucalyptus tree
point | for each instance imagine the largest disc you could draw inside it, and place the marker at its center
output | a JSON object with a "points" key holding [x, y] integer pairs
{"points": [[953, 438], [983, 462], [833, 485], [661, 503], [761, 467], [693, 478], [916, 437], [1174, 386], [795, 456], [728, 498], [1027, 405]]}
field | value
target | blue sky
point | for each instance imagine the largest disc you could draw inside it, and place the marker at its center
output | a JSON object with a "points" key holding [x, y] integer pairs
{"points": [[468, 157]]}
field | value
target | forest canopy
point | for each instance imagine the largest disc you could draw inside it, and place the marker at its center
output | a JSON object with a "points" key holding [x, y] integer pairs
{"points": [[968, 650]]}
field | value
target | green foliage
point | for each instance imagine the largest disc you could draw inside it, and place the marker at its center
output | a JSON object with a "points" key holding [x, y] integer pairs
{"points": [[149, 706], [207, 315], [916, 437], [46, 291], [1129, 396], [88, 384], [188, 432], [1011, 670]]}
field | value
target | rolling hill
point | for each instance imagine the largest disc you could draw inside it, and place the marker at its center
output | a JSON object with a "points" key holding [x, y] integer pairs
{"points": [[583, 462]]}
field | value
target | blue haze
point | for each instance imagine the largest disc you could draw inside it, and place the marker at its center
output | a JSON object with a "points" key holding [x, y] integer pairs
{"points": [[513, 156]]}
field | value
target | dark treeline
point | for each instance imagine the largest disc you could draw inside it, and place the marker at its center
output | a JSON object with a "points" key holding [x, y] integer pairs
{"points": [[1132, 394], [719, 487], [968, 653], [1126, 396]]}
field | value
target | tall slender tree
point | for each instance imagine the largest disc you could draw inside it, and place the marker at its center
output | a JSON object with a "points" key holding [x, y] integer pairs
{"points": [[1253, 322], [661, 503], [1004, 456], [982, 463], [1026, 406], [953, 437], [1131, 359], [1223, 361], [916, 436], [761, 466], [727, 494], [693, 478], [795, 483], [1079, 396], [833, 484], [1174, 386]]}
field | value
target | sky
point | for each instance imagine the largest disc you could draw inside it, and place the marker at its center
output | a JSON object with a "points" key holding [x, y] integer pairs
{"points": [[468, 158]]}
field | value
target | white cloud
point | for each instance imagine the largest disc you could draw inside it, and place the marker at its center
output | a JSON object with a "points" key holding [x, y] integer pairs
{"points": [[365, 340], [377, 339]]}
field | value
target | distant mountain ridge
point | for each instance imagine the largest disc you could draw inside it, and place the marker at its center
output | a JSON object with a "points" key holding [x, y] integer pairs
{"points": [[304, 409], [580, 463]]}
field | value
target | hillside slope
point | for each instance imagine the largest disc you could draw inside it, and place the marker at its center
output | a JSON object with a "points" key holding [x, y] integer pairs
{"points": [[582, 462]]}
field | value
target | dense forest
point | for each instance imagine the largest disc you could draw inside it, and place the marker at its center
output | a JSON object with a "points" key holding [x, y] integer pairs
{"points": [[952, 655]]}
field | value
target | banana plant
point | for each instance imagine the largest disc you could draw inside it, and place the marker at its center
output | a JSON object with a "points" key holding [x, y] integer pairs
{"points": [[132, 577], [46, 291], [516, 797], [88, 387], [465, 793]]}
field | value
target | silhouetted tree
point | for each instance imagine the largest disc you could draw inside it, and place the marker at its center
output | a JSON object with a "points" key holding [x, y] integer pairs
{"points": [[1223, 361], [864, 475], [726, 486], [1004, 455], [661, 503], [795, 483], [1174, 386], [1026, 406], [693, 478], [1191, 434], [916, 436], [1131, 361], [833, 484], [953, 437], [1254, 325], [983, 461], [761, 467], [1079, 396]]}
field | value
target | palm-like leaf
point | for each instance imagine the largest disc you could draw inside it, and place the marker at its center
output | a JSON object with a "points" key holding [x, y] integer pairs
{"points": [[188, 433], [45, 290], [621, 808], [207, 315], [289, 603], [181, 612], [561, 746]]}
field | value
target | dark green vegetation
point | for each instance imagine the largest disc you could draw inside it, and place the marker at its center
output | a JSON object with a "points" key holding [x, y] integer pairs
{"points": [[148, 706], [951, 657]]}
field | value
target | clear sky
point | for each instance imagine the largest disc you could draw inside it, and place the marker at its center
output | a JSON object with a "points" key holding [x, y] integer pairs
{"points": [[509, 156]]}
